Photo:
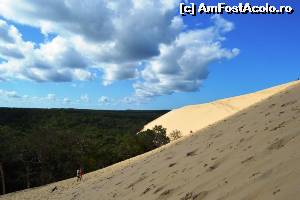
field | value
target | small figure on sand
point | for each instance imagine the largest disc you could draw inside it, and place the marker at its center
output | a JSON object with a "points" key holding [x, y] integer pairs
{"points": [[79, 174]]}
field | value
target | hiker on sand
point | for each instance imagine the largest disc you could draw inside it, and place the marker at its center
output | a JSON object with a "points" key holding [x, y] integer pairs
{"points": [[78, 175], [81, 173]]}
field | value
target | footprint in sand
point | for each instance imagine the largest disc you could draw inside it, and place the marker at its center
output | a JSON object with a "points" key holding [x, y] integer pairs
{"points": [[158, 189], [118, 183], [281, 125], [240, 128], [166, 194], [148, 189], [192, 153], [213, 158], [278, 144], [136, 182], [282, 112], [289, 103], [276, 191], [247, 159], [197, 196], [172, 164]]}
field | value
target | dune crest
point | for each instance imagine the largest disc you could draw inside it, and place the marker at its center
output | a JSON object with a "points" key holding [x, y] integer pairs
{"points": [[253, 154], [192, 118]]}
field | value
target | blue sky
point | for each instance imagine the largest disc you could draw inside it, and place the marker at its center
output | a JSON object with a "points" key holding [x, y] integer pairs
{"points": [[143, 70]]}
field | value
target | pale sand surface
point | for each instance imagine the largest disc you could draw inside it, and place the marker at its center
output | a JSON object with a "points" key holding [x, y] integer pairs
{"points": [[253, 154], [195, 117]]}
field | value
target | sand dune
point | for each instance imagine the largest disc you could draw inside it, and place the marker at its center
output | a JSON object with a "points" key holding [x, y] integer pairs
{"points": [[253, 154], [195, 117]]}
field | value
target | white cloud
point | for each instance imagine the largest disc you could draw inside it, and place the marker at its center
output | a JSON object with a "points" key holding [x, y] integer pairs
{"points": [[183, 65], [110, 36], [9, 94], [50, 100], [116, 38], [9, 34], [51, 97], [57, 60], [114, 72], [104, 100], [84, 98], [131, 100], [56, 16], [66, 100]]}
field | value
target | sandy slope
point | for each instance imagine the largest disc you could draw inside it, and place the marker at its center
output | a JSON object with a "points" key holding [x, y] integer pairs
{"points": [[194, 117], [253, 154]]}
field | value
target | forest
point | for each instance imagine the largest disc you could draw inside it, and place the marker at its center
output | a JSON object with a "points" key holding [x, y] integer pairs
{"points": [[40, 146]]}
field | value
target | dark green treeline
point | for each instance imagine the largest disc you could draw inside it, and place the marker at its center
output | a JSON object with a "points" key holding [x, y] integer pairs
{"points": [[40, 146]]}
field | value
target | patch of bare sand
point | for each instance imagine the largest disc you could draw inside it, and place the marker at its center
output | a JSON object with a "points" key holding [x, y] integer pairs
{"points": [[250, 155], [195, 117]]}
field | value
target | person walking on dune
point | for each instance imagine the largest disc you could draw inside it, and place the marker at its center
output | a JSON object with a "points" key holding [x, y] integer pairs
{"points": [[81, 173], [78, 175]]}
